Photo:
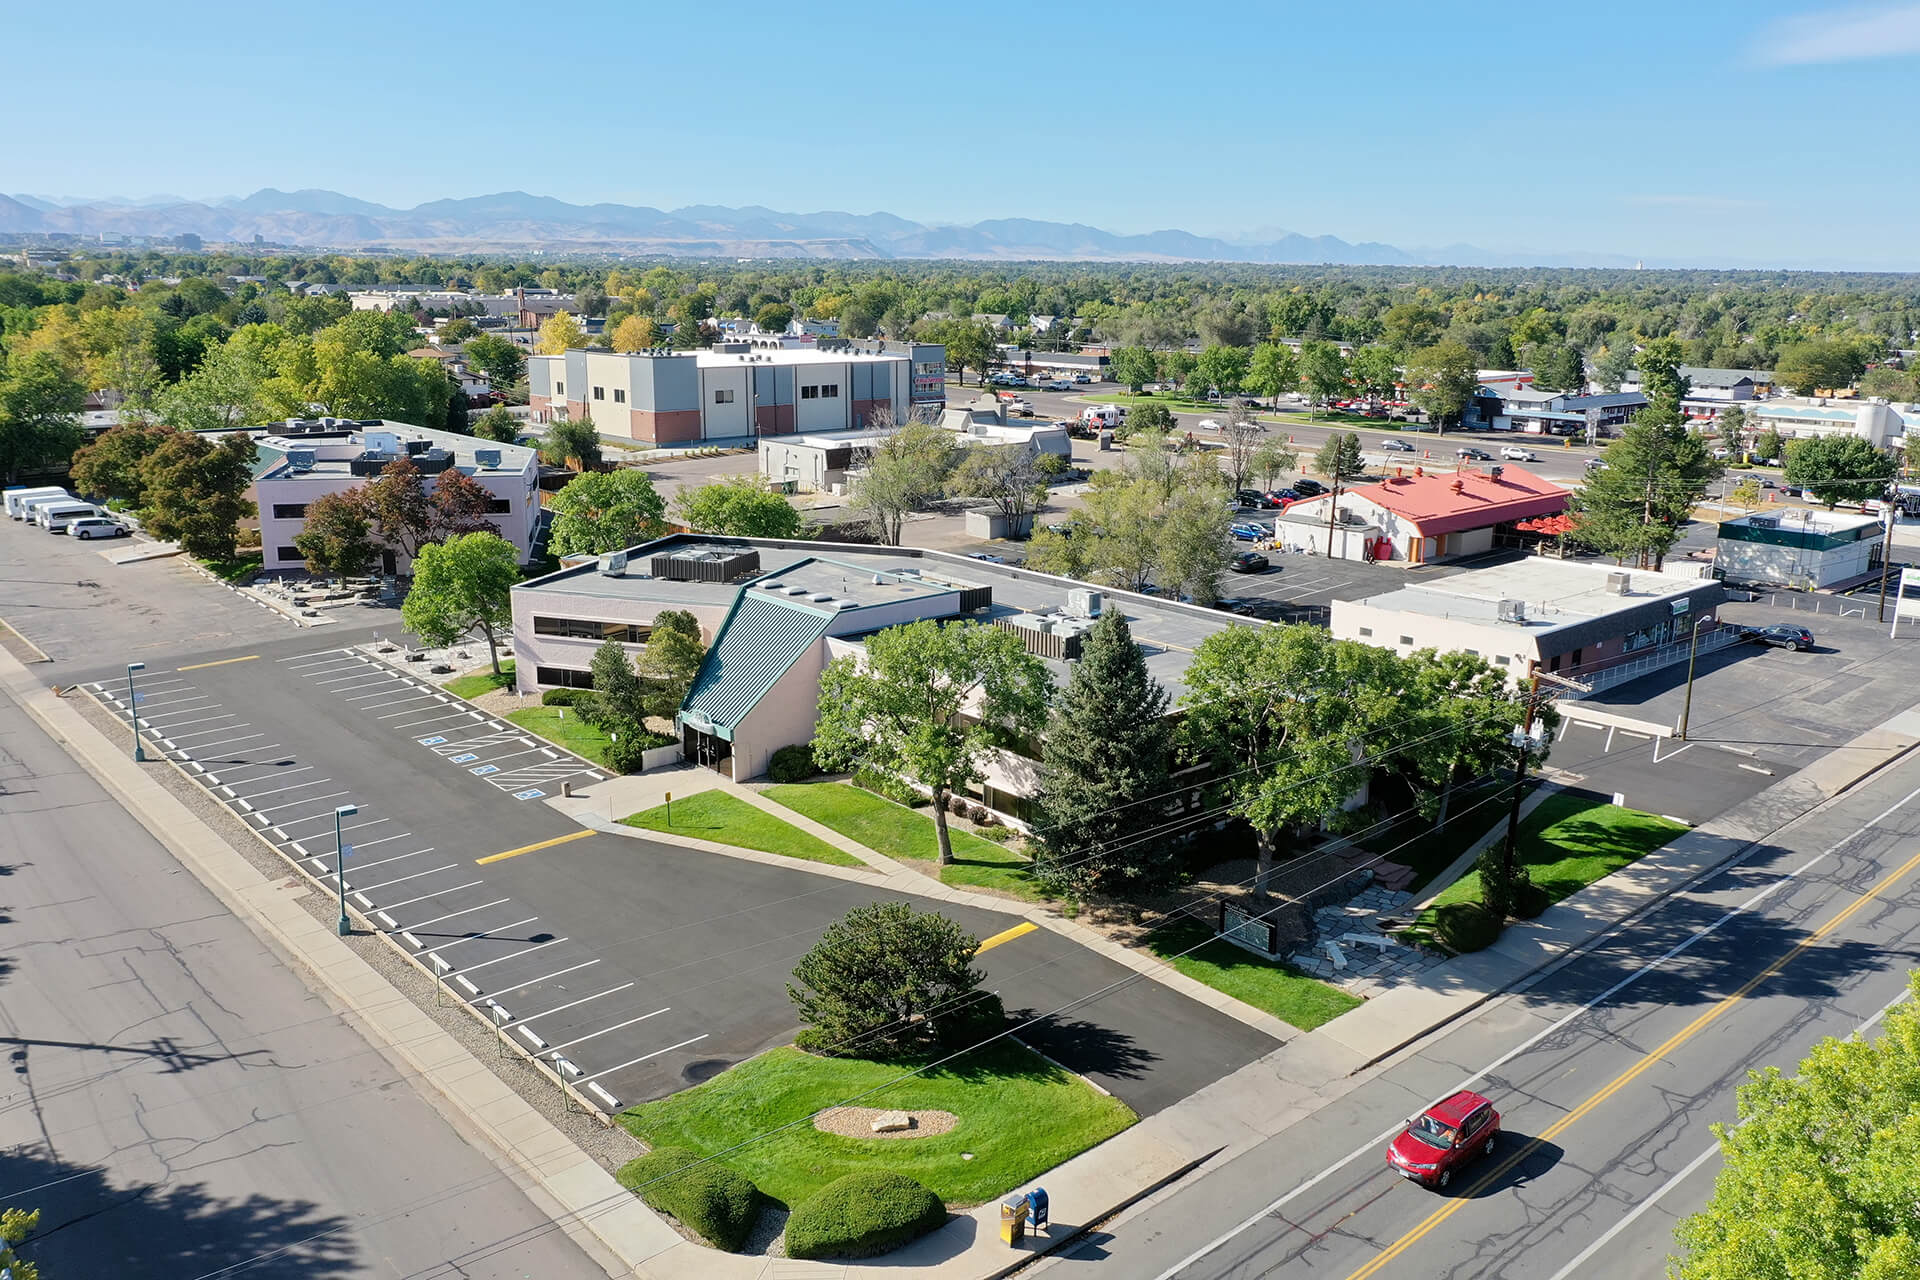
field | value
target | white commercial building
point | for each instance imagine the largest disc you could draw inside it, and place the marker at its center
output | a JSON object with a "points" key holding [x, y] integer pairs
{"points": [[1577, 620], [1797, 547], [302, 460], [1877, 422]]}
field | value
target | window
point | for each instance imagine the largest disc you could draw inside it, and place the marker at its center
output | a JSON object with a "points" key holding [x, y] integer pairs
{"points": [[559, 388], [830, 393], [589, 629], [499, 506], [1366, 631], [1407, 640], [809, 393], [1473, 653], [599, 393], [290, 555], [619, 395], [723, 396], [289, 510], [1500, 658], [564, 677]]}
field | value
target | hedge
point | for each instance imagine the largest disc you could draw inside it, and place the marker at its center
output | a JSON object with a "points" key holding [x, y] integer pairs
{"points": [[862, 1215], [792, 764], [711, 1200], [1466, 926], [564, 697]]}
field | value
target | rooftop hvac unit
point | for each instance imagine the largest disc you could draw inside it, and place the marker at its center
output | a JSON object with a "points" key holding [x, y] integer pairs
{"points": [[486, 457], [614, 564], [380, 441], [433, 461], [1513, 611], [417, 447], [369, 463], [1619, 583], [300, 459], [705, 566], [1083, 602]]}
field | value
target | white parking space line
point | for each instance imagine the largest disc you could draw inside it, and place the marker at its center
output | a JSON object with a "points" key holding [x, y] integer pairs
{"points": [[609, 1030], [431, 871], [394, 714], [393, 702], [427, 719], [355, 826], [315, 656], [368, 844], [489, 936], [437, 893], [645, 1057], [362, 676], [561, 1008], [377, 693], [171, 724], [325, 815], [208, 733], [291, 786], [475, 968], [304, 800], [463, 912], [212, 746], [496, 759], [507, 991]]}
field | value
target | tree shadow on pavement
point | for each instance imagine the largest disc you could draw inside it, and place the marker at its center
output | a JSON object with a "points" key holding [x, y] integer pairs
{"points": [[91, 1224], [1086, 1047]]}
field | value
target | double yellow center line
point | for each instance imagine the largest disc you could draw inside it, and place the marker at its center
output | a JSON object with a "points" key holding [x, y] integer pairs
{"points": [[1631, 1074]]}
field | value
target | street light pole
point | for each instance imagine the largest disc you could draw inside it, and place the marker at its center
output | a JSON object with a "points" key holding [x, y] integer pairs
{"points": [[1693, 647], [133, 712], [1886, 557], [342, 926]]}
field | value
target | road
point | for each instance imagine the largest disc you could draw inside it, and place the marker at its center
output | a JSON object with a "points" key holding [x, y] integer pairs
{"points": [[1609, 1072], [182, 1106]]}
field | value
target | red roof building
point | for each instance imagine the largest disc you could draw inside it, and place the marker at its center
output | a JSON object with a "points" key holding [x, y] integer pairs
{"points": [[1423, 516]]}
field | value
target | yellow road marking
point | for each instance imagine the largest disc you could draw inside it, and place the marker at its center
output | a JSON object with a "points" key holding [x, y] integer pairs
{"points": [[1628, 1076], [223, 662], [529, 848], [1018, 931]]}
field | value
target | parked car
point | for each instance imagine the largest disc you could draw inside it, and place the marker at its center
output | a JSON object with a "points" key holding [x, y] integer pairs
{"points": [[1209, 424], [1596, 464], [1473, 453], [1281, 497], [1244, 532], [1396, 445], [1059, 384], [1306, 488], [1514, 453], [97, 527], [1250, 562], [1249, 497], [1081, 379], [987, 556], [1441, 1140], [1234, 604], [1765, 482], [1784, 635]]}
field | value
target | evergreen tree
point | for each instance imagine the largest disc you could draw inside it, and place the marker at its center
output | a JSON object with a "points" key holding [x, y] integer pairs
{"points": [[1104, 771]]}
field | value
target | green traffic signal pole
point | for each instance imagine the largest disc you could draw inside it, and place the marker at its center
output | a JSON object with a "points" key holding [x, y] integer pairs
{"points": [[343, 926]]}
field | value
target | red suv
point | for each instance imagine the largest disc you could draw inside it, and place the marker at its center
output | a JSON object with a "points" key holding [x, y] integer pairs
{"points": [[1445, 1137]]}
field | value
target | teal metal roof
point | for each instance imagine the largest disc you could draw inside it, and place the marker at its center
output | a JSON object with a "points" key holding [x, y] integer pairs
{"points": [[761, 638]]}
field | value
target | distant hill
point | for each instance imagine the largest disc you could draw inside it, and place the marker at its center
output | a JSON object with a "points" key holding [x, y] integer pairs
{"points": [[514, 220]]}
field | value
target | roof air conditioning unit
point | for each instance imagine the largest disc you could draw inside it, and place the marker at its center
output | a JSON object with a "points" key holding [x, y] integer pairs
{"points": [[1083, 602], [1619, 583], [614, 564], [1513, 611]]}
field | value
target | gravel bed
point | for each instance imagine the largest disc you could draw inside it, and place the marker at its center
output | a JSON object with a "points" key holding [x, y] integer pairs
{"points": [[857, 1122]]}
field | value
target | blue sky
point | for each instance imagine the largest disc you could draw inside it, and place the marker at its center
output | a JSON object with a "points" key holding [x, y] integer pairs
{"points": [[1692, 130]]}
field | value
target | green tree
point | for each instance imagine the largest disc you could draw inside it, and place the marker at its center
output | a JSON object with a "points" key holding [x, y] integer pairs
{"points": [[461, 586], [969, 346], [113, 466], [40, 403], [497, 359], [889, 981], [1283, 714], [740, 507], [498, 425], [1634, 507], [1374, 372], [1133, 367], [1152, 417], [1887, 383], [671, 660], [1273, 459], [1221, 368], [900, 711], [570, 441], [1340, 458], [602, 511], [559, 333], [1442, 379], [635, 333], [195, 492], [619, 700], [773, 317], [1839, 469], [1272, 371], [15, 1226], [1006, 477], [1820, 364], [1411, 326], [234, 386], [904, 470], [336, 538], [1191, 547], [1661, 381], [1771, 444], [1324, 371], [1817, 1176], [1104, 770], [457, 330], [1563, 369], [1731, 424]]}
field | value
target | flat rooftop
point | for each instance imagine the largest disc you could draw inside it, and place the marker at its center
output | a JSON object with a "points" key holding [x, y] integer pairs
{"points": [[1554, 592], [336, 442], [1167, 632], [1804, 518]]}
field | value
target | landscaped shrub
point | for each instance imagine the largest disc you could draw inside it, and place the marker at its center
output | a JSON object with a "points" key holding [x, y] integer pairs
{"points": [[1529, 900], [626, 752], [863, 1215], [793, 764], [711, 1200], [892, 788], [957, 806], [1466, 926], [564, 697]]}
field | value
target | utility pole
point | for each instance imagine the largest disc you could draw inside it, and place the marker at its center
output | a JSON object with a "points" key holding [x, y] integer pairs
{"points": [[1886, 556], [1693, 646], [1333, 507], [1520, 742]]}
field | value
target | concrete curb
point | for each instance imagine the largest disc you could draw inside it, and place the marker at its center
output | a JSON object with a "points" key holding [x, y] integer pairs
{"points": [[26, 640]]}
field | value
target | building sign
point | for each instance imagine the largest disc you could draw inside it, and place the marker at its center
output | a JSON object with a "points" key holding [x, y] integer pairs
{"points": [[929, 381]]}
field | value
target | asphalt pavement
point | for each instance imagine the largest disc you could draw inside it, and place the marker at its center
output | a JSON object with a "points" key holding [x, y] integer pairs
{"points": [[181, 1105], [1608, 1068]]}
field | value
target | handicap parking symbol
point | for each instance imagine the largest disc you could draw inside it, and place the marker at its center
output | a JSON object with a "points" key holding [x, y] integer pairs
{"points": [[430, 742], [485, 769], [528, 795], [462, 759]]}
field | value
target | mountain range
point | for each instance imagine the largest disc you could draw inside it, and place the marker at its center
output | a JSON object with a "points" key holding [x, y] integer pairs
{"points": [[514, 220]]}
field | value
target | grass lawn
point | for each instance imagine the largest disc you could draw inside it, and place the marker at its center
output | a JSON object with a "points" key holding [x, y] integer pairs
{"points": [[573, 733], [238, 569], [727, 819], [907, 834], [481, 682], [1265, 984], [1413, 843], [1018, 1115], [1566, 844]]}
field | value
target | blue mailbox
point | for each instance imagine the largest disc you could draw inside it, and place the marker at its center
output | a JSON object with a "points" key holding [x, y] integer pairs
{"points": [[1037, 1208]]}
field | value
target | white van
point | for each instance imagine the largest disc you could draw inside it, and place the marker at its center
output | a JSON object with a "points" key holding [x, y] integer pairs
{"points": [[20, 495], [31, 507], [54, 517], [1104, 415], [87, 528]]}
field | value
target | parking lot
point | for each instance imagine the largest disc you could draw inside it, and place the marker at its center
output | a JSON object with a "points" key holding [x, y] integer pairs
{"points": [[636, 967]]}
